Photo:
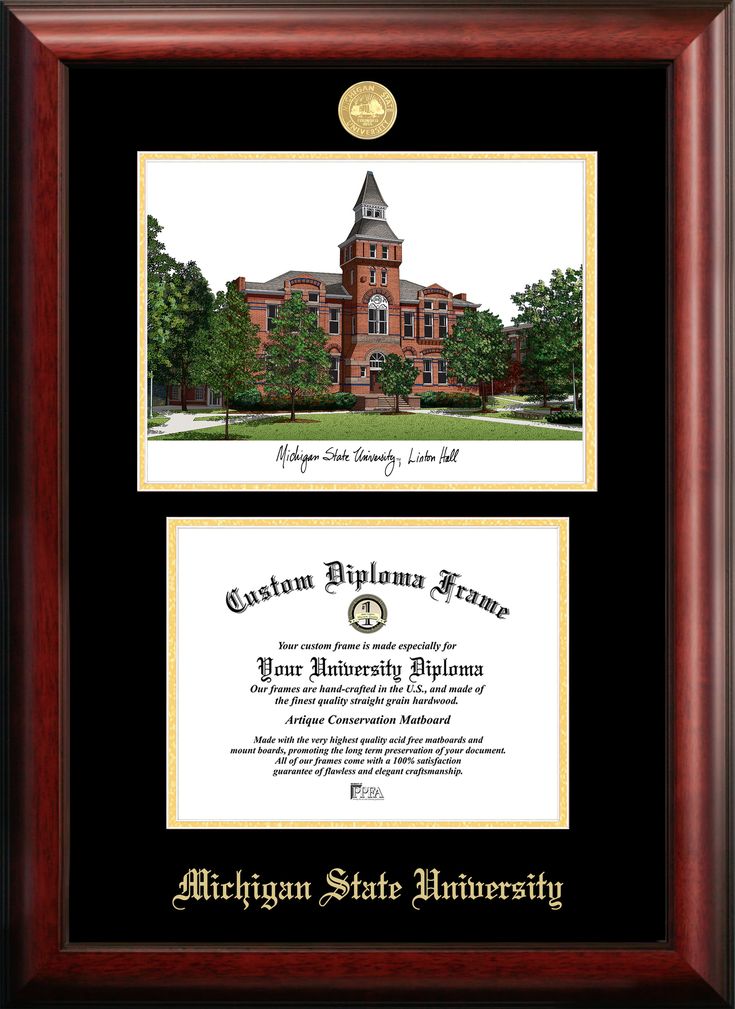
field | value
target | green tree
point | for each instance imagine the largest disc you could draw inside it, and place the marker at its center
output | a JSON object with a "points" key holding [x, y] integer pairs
{"points": [[553, 364], [229, 361], [397, 377], [160, 267], [188, 322], [477, 351], [296, 360]]}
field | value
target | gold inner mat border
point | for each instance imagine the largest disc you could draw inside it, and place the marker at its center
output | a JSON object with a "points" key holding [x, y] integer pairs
{"points": [[589, 159], [561, 524]]}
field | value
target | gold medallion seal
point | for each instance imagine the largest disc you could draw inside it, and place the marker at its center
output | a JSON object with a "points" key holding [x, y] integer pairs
{"points": [[367, 110]]}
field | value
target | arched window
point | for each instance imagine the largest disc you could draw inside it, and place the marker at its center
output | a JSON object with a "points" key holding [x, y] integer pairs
{"points": [[377, 314], [377, 360]]}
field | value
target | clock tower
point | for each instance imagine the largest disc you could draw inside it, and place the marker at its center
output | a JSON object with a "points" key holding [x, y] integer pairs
{"points": [[370, 257]]}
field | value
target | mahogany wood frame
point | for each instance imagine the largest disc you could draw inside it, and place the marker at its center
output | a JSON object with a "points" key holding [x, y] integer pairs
{"points": [[694, 38]]}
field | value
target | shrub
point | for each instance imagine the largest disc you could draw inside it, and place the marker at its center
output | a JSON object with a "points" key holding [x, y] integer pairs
{"points": [[565, 417], [440, 399], [255, 402], [246, 400]]}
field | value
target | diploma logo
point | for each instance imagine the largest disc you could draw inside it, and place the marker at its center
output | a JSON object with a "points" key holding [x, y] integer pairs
{"points": [[358, 791], [367, 614]]}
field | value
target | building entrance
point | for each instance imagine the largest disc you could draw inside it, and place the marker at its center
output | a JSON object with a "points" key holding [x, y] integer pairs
{"points": [[376, 364]]}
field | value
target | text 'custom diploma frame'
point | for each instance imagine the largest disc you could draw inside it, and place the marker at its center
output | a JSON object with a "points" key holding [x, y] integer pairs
{"points": [[367, 672]]}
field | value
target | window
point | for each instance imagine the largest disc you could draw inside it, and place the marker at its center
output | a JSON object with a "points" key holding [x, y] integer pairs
{"points": [[442, 327], [428, 305], [427, 373], [377, 360], [385, 251], [373, 251], [175, 393], [200, 393], [441, 378], [354, 324], [334, 370], [428, 325], [272, 316], [334, 321], [363, 371], [313, 296], [377, 314], [215, 399], [442, 306], [352, 276], [314, 309], [372, 276], [408, 325], [384, 278]]}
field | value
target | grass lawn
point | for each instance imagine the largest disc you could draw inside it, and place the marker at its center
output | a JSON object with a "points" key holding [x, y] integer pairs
{"points": [[374, 427]]}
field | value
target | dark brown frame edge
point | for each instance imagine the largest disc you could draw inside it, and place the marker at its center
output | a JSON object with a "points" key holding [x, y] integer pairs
{"points": [[695, 40]]}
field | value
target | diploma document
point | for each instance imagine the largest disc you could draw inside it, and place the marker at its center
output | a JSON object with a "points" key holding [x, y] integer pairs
{"points": [[356, 673]]}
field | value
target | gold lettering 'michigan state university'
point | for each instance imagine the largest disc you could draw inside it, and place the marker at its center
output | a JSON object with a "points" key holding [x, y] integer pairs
{"points": [[203, 884]]}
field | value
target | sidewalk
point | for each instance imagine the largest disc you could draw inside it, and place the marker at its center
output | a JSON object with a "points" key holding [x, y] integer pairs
{"points": [[503, 420], [184, 421]]}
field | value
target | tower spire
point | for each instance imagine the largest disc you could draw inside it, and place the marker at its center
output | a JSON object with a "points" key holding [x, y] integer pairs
{"points": [[369, 195], [370, 222]]}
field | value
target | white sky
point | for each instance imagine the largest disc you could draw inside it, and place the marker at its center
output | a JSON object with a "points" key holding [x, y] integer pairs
{"points": [[484, 227]]}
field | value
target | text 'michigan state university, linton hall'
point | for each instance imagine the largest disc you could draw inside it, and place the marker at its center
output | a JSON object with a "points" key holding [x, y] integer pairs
{"points": [[367, 311]]}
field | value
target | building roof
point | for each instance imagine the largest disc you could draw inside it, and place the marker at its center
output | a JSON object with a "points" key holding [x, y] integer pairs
{"points": [[332, 282], [372, 227], [370, 193], [334, 286], [410, 292]]}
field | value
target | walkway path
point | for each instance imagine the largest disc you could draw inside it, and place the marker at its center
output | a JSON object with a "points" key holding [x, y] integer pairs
{"points": [[184, 420], [503, 420]]}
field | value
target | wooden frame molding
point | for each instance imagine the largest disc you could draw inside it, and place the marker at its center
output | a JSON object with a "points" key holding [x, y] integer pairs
{"points": [[695, 40]]}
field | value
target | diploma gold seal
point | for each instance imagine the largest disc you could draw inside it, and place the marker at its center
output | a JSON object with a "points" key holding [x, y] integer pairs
{"points": [[367, 110], [367, 614]]}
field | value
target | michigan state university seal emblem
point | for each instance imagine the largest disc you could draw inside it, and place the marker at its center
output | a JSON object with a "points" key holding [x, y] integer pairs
{"points": [[367, 110], [367, 614]]}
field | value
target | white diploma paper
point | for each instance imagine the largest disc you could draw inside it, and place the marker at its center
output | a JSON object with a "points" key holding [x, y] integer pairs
{"points": [[445, 706]]}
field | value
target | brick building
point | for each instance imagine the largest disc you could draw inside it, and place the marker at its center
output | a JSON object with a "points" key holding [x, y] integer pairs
{"points": [[367, 311]]}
